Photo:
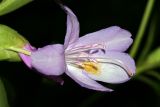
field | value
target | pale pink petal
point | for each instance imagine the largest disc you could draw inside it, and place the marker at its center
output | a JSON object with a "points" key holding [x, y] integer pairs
{"points": [[113, 39], [49, 60], [82, 79], [120, 42], [72, 33]]}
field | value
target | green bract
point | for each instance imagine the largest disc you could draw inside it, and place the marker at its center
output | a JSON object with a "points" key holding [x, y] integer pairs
{"points": [[7, 6], [10, 38]]}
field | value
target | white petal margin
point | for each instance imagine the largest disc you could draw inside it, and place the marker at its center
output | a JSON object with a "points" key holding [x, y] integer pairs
{"points": [[79, 76], [115, 67]]}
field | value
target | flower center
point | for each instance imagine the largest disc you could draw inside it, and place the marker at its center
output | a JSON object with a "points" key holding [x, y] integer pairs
{"points": [[90, 67]]}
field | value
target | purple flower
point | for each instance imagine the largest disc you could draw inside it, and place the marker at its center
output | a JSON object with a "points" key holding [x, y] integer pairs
{"points": [[97, 56]]}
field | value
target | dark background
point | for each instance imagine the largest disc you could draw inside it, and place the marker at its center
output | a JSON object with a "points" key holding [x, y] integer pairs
{"points": [[43, 22]]}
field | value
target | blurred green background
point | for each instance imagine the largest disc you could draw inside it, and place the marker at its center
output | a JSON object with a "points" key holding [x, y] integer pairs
{"points": [[43, 22]]}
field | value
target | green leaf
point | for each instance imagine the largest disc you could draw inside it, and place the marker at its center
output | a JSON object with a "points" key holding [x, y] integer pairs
{"points": [[3, 96], [154, 57], [153, 61], [7, 6], [9, 38]]}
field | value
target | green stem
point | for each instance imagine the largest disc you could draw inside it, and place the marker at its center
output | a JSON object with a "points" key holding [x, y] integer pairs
{"points": [[20, 50], [142, 27], [150, 38], [3, 96]]}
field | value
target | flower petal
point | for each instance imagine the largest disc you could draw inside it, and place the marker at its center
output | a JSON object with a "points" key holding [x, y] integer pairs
{"points": [[49, 60], [115, 67], [27, 59], [72, 33], [79, 76], [113, 38]]}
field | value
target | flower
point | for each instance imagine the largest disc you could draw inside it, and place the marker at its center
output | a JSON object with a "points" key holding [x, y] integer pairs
{"points": [[97, 56]]}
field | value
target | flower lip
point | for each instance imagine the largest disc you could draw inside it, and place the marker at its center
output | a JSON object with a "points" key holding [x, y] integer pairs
{"points": [[89, 60], [81, 62], [84, 52]]}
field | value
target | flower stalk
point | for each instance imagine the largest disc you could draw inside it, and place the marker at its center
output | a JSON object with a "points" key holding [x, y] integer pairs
{"points": [[19, 50], [142, 27]]}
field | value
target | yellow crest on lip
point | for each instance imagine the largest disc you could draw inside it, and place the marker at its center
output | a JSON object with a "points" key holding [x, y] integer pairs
{"points": [[90, 67]]}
